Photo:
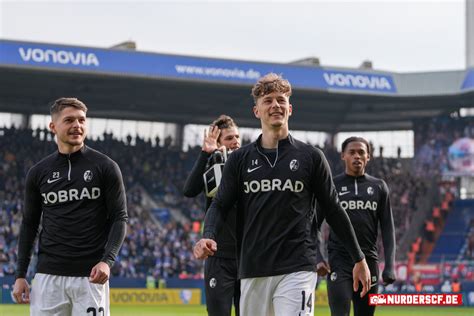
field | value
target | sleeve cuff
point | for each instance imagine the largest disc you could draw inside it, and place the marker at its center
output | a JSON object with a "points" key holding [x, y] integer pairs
{"points": [[209, 235], [360, 257]]}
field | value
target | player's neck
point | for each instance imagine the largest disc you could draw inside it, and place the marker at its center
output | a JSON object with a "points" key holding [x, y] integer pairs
{"points": [[67, 149], [354, 173], [271, 136]]}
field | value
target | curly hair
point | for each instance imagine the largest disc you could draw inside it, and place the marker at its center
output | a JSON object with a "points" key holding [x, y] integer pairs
{"points": [[270, 83]]}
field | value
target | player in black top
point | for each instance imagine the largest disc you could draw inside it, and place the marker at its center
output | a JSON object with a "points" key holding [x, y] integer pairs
{"points": [[274, 181], [367, 202], [78, 196], [220, 274]]}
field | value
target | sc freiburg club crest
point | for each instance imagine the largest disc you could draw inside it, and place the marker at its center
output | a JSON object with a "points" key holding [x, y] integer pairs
{"points": [[294, 165], [88, 176]]}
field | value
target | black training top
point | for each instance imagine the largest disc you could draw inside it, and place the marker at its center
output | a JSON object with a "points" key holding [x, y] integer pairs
{"points": [[194, 185], [275, 209], [367, 202], [80, 198]]}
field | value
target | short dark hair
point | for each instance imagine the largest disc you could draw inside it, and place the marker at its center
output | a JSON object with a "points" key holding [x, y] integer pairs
{"points": [[224, 121], [62, 103], [356, 139]]}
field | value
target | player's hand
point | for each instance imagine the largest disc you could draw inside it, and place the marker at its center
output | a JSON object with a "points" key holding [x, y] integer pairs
{"points": [[323, 268], [21, 291], [209, 144], [100, 273], [388, 277], [361, 273], [204, 248]]}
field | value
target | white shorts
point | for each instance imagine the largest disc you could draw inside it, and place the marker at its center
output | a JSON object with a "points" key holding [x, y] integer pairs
{"points": [[68, 296], [281, 295]]}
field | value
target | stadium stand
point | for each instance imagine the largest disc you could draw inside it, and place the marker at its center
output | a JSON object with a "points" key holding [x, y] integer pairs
{"points": [[456, 231], [152, 247], [164, 225], [157, 243]]}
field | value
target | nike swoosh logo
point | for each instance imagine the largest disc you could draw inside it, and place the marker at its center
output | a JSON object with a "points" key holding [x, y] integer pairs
{"points": [[344, 193], [53, 180], [253, 169]]}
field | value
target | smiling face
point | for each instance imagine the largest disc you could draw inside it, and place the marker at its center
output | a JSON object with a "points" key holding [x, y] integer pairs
{"points": [[271, 95], [273, 110], [356, 156], [69, 126]]}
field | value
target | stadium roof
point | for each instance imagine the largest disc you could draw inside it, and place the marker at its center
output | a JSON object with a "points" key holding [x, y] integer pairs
{"points": [[183, 89]]}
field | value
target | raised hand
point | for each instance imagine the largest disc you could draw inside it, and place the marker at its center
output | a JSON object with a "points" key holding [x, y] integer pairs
{"points": [[209, 144]]}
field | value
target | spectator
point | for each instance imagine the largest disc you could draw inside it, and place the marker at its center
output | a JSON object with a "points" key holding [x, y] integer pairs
{"points": [[456, 286]]}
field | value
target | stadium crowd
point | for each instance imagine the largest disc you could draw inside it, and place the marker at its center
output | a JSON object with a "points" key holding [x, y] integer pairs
{"points": [[149, 248], [432, 140], [157, 246], [404, 186]]}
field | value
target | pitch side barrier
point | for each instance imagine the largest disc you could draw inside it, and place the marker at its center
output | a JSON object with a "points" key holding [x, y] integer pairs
{"points": [[132, 63], [138, 291], [134, 291], [125, 291], [155, 296]]}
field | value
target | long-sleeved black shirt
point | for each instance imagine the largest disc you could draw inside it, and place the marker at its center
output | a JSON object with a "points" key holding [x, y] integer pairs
{"points": [[366, 200], [226, 236], [80, 201], [275, 210]]}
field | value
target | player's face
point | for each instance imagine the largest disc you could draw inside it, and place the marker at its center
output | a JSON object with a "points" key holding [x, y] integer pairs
{"points": [[70, 128], [273, 109], [230, 138], [356, 156]]}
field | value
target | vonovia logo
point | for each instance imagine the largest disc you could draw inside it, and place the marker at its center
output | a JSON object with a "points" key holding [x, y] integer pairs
{"points": [[88, 176], [370, 191], [333, 276], [213, 283], [294, 165], [185, 296]]}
